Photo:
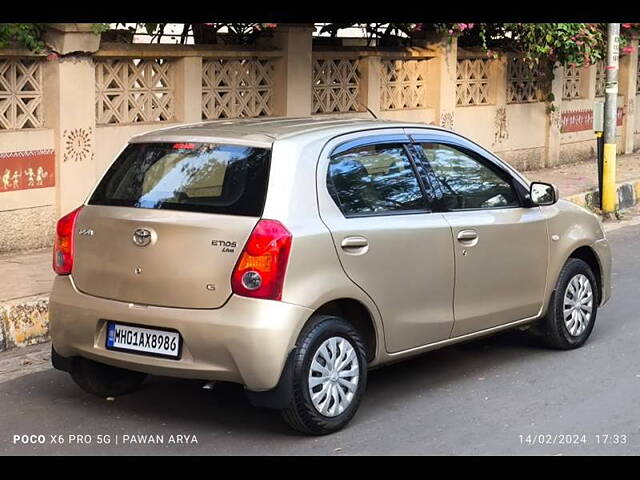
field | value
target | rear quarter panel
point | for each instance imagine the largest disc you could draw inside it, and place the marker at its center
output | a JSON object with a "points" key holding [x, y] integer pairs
{"points": [[314, 274]]}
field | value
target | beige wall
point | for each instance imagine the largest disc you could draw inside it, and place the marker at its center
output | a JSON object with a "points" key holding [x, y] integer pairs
{"points": [[426, 115], [20, 141], [526, 123], [523, 134], [477, 123], [27, 217], [637, 117], [637, 121], [578, 146]]}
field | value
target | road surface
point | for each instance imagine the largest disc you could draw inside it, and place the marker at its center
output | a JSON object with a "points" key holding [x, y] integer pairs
{"points": [[502, 395]]}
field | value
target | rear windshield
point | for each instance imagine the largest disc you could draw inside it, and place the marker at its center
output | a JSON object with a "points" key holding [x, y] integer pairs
{"points": [[197, 177]]}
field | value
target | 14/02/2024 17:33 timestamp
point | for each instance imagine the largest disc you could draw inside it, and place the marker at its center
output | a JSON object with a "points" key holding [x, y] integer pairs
{"points": [[574, 439]]}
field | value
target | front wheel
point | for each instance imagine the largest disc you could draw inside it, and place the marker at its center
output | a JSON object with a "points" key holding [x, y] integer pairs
{"points": [[573, 307], [329, 377]]}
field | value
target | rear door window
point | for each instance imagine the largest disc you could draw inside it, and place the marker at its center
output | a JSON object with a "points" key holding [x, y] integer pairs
{"points": [[198, 177]]}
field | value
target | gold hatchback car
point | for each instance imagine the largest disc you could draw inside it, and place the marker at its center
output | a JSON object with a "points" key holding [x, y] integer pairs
{"points": [[292, 255]]}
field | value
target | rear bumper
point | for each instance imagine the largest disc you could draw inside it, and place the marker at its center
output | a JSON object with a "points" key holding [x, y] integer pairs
{"points": [[245, 341]]}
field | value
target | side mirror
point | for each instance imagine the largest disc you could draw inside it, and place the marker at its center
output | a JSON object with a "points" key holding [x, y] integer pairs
{"points": [[542, 194]]}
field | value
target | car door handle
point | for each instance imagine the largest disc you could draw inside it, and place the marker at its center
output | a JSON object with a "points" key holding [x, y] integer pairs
{"points": [[354, 242], [467, 235]]}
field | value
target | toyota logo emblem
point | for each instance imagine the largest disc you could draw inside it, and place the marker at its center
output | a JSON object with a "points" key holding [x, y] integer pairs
{"points": [[142, 237]]}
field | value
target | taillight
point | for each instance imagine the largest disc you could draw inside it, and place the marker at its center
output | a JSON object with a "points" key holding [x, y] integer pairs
{"points": [[260, 270], [184, 146], [63, 243]]}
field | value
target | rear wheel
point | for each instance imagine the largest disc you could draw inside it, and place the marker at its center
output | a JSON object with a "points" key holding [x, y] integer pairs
{"points": [[329, 376], [573, 307], [105, 380]]}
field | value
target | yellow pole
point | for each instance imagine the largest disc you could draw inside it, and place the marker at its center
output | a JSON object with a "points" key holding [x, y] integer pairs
{"points": [[609, 194]]}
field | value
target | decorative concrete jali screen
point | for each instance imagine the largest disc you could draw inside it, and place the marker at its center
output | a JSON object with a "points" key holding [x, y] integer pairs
{"points": [[233, 88], [336, 86], [472, 82], [601, 78], [403, 84], [580, 120], [524, 81], [20, 93], [572, 88], [133, 90], [27, 170]]}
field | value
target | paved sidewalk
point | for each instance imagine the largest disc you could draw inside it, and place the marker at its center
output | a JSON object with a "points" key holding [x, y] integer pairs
{"points": [[583, 176], [25, 274]]}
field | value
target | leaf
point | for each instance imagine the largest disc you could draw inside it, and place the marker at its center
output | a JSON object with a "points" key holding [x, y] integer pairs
{"points": [[150, 27]]}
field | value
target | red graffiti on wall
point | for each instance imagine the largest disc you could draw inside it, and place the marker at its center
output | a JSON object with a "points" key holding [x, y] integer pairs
{"points": [[580, 120], [27, 170]]}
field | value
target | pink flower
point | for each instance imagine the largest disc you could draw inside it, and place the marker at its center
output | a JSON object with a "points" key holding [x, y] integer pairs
{"points": [[52, 56], [626, 25], [627, 49], [462, 27], [450, 32], [270, 25]]}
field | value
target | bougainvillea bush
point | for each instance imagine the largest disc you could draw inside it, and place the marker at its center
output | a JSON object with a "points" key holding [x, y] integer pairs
{"points": [[27, 35], [576, 44]]}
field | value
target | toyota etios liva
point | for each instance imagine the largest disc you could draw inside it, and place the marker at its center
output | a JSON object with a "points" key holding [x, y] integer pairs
{"points": [[291, 255]]}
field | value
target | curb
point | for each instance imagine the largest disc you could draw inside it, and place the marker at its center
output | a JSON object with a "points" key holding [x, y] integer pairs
{"points": [[628, 196], [24, 321]]}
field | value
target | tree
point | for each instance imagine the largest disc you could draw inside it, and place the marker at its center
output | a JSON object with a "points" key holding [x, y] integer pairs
{"points": [[27, 35]]}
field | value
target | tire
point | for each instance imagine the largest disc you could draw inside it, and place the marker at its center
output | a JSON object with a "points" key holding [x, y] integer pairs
{"points": [[553, 329], [104, 380], [344, 340]]}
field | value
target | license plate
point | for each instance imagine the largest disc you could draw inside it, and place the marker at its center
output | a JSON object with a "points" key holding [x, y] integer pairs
{"points": [[145, 341]]}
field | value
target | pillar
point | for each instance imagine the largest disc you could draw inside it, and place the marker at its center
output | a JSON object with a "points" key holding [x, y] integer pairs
{"points": [[293, 75]]}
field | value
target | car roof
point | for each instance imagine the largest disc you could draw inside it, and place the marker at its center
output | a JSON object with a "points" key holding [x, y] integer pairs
{"points": [[265, 131]]}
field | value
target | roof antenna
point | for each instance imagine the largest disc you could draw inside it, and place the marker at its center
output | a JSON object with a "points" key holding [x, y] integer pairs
{"points": [[368, 110]]}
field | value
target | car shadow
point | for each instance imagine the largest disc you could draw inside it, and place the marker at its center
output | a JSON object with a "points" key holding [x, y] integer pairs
{"points": [[170, 402]]}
